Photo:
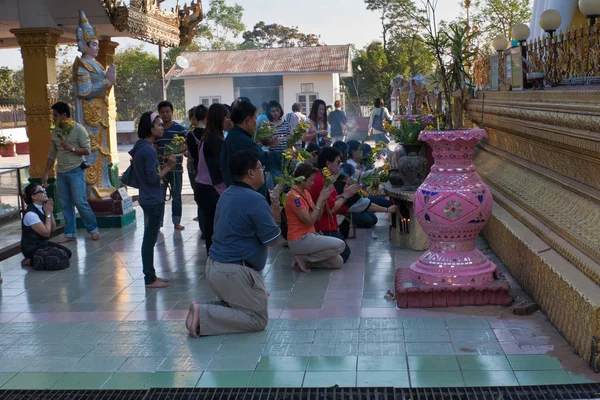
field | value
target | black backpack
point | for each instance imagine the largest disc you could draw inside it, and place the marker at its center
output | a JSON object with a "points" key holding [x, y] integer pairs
{"points": [[50, 259]]}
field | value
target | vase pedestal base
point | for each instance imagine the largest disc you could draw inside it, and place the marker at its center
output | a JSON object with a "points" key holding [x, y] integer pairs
{"points": [[411, 294]]}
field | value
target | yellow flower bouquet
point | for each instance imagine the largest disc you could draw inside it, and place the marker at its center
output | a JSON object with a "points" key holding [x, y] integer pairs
{"points": [[175, 146], [264, 132]]}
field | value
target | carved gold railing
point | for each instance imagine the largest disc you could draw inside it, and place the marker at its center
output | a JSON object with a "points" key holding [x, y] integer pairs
{"points": [[482, 71], [567, 58]]}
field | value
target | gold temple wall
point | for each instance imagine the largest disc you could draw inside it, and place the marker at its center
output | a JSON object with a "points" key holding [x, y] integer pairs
{"points": [[542, 162]]}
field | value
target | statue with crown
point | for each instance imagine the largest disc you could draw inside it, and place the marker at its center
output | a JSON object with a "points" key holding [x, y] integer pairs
{"points": [[93, 86]]}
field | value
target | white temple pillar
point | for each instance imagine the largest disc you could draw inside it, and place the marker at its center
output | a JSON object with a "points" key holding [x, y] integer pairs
{"points": [[566, 9]]}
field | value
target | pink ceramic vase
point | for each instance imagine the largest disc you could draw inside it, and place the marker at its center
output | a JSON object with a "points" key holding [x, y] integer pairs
{"points": [[452, 206]]}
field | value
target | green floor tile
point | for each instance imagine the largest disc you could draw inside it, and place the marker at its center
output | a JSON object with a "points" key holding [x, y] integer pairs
{"points": [[173, 380], [269, 379], [490, 378], [5, 377], [382, 379], [580, 378], [532, 378], [423, 336], [128, 380], [330, 378], [423, 323], [467, 323], [537, 362], [429, 349], [33, 380], [433, 363], [82, 380], [436, 379], [282, 363], [232, 364], [225, 379], [484, 363], [383, 363], [332, 363]]}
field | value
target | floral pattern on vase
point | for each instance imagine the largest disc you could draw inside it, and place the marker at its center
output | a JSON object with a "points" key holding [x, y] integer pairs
{"points": [[452, 206]]}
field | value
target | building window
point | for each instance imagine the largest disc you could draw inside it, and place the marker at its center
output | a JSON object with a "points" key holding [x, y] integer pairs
{"points": [[307, 100], [307, 87], [207, 101]]}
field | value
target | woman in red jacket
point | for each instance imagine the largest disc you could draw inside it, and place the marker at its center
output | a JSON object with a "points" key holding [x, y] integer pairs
{"points": [[329, 158]]}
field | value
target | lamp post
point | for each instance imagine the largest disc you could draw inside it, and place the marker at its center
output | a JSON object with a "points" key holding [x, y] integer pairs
{"points": [[550, 21], [500, 43], [520, 33], [591, 9]]}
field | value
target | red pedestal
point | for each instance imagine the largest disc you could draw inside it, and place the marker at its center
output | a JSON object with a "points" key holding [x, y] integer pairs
{"points": [[410, 294]]}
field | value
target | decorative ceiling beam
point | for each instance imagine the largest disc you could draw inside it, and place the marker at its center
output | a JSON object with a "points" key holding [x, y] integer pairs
{"points": [[146, 21]]}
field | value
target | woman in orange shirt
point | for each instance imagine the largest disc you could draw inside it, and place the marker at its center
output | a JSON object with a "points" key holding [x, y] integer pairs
{"points": [[309, 248]]}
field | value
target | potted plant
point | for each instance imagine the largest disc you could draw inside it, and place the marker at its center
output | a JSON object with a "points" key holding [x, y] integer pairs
{"points": [[410, 166], [7, 147]]}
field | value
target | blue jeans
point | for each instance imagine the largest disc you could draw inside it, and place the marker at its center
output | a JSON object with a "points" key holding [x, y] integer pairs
{"points": [[175, 179], [72, 192], [153, 214]]}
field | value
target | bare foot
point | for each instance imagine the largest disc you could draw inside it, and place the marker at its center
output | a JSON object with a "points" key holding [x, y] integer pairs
{"points": [[163, 279], [300, 263], [26, 262], [179, 227], [194, 318], [95, 236], [188, 319], [157, 285], [68, 239]]}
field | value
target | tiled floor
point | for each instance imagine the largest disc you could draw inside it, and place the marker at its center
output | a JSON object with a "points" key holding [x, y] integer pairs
{"points": [[95, 325]]}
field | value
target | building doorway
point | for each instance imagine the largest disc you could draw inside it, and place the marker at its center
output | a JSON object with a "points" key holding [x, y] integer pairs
{"points": [[259, 89]]}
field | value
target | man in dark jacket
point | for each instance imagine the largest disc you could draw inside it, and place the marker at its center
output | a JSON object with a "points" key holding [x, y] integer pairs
{"points": [[240, 138]]}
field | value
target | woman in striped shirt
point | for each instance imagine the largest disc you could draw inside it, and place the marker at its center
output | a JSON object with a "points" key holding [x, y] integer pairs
{"points": [[282, 127]]}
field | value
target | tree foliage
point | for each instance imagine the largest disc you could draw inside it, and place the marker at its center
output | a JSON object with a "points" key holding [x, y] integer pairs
{"points": [[138, 87], [221, 24], [11, 86], [275, 35], [396, 24], [401, 52], [497, 17]]}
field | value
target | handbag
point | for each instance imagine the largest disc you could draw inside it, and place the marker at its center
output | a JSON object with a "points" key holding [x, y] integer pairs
{"points": [[129, 177]]}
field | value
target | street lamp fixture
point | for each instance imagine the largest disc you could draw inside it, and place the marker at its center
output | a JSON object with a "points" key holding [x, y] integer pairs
{"points": [[181, 63], [500, 43], [550, 21], [591, 9], [521, 33]]}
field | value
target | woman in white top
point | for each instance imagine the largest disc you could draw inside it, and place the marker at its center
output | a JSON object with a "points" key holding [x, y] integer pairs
{"points": [[378, 116], [38, 223]]}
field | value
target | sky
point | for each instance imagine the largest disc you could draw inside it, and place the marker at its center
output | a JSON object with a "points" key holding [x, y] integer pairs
{"points": [[337, 21]]}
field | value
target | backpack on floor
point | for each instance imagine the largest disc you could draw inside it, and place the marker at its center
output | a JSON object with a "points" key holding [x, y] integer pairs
{"points": [[50, 259]]}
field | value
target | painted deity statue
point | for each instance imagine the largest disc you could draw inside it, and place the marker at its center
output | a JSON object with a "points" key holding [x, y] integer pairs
{"points": [[92, 87]]}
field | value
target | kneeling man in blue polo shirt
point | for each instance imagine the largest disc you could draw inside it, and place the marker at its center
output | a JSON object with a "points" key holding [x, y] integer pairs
{"points": [[244, 227]]}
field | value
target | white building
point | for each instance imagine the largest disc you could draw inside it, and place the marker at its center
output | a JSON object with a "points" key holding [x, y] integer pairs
{"points": [[288, 75]]}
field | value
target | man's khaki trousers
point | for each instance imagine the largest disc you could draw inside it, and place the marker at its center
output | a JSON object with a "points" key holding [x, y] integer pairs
{"points": [[243, 298]]}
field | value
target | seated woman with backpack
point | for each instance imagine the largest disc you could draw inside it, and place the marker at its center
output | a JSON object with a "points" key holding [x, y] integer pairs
{"points": [[37, 225]]}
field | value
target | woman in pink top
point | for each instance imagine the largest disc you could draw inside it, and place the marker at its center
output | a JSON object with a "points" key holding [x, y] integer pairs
{"points": [[209, 181]]}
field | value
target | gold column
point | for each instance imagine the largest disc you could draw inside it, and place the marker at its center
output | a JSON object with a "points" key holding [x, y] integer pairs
{"points": [[38, 49], [106, 57]]}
